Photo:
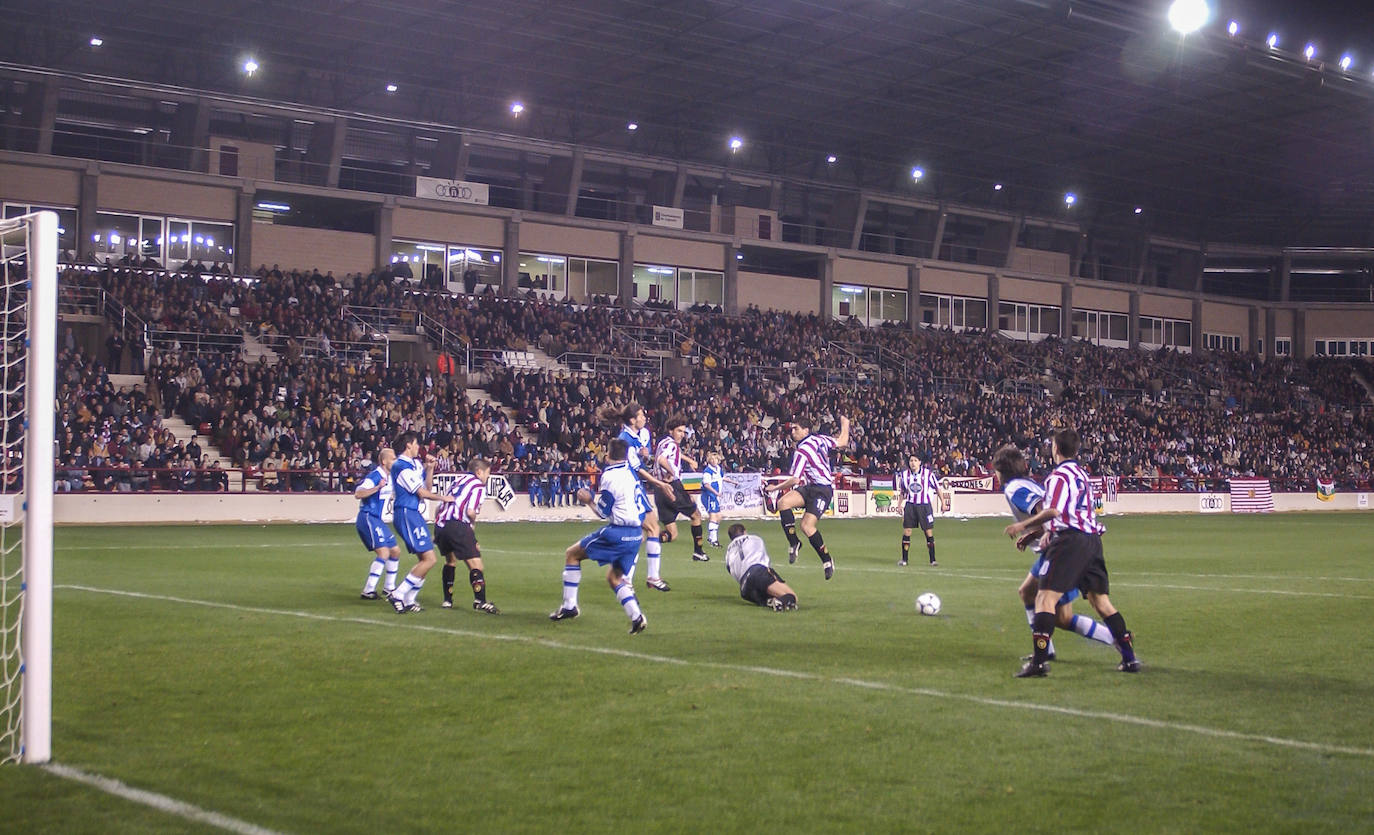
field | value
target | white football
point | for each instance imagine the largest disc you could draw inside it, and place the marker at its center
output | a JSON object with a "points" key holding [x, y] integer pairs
{"points": [[928, 603]]}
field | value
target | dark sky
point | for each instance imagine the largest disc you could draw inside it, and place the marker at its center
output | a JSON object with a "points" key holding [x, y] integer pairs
{"points": [[1336, 26]]}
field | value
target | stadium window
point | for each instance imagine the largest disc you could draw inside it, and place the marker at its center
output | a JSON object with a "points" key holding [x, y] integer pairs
{"points": [[849, 301], [655, 284], [1221, 342], [957, 312], [66, 225], [700, 287], [596, 278], [472, 269], [1150, 332], [424, 262], [1283, 346], [543, 273]]}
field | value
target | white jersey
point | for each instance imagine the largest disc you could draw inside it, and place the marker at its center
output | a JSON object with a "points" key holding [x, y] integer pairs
{"points": [[620, 499], [744, 553], [669, 449]]}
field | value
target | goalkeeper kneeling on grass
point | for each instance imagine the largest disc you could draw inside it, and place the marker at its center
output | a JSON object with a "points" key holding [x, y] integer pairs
{"points": [[746, 559]]}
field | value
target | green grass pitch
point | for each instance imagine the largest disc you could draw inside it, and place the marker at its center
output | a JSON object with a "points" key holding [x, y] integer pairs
{"points": [[235, 669]]}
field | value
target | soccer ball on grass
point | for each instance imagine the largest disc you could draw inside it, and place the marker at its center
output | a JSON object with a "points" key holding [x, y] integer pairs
{"points": [[928, 603]]}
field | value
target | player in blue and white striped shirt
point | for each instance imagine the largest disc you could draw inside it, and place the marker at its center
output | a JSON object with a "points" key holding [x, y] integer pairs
{"points": [[374, 494], [1025, 498], [620, 500]]}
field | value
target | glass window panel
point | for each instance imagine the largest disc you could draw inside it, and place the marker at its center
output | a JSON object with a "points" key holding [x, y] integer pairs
{"points": [[850, 301], [213, 243], [177, 247], [116, 235], [976, 314], [543, 272], [1049, 321], [469, 268], [1116, 327], [655, 284], [603, 278]]}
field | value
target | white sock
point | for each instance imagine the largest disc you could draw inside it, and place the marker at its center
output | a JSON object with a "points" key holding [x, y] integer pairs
{"points": [[410, 588], [374, 575], [625, 594], [392, 567], [1089, 628], [713, 532], [572, 576], [654, 549]]}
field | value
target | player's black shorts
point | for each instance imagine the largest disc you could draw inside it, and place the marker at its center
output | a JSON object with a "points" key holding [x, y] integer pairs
{"points": [[757, 579], [457, 539], [1076, 562], [681, 504], [918, 516], [816, 497]]}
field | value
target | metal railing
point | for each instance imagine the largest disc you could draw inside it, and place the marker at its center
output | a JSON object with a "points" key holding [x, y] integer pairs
{"points": [[614, 365]]}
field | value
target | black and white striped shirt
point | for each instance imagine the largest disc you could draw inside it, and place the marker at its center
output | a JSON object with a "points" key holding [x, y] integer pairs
{"points": [[468, 492]]}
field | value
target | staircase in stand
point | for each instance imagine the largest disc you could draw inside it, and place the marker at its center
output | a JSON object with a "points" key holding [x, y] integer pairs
{"points": [[478, 396], [209, 453], [253, 350]]}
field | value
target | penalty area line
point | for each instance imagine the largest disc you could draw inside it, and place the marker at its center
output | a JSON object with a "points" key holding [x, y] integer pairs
{"points": [[160, 802], [1119, 718]]}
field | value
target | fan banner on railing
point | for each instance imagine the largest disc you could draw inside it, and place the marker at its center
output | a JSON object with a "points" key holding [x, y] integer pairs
{"points": [[966, 484], [1326, 489], [1251, 495], [738, 491]]}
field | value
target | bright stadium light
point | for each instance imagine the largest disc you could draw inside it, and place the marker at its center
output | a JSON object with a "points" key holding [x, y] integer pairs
{"points": [[1138, 210], [391, 88], [1310, 51], [996, 186], [250, 66], [1346, 61], [97, 41], [1070, 199], [632, 127], [917, 173], [1273, 40], [1188, 16], [735, 144], [516, 108], [832, 159], [1233, 28]]}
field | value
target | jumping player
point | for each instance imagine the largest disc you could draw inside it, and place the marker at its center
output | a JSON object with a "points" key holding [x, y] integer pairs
{"points": [[635, 434], [456, 536], [811, 470], [668, 458], [1025, 498], [622, 503]]}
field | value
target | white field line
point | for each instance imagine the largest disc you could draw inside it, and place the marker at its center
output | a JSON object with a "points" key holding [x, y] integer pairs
{"points": [[1119, 718], [161, 802]]}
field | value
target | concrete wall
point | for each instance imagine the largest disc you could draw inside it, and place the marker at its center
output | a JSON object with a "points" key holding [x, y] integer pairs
{"points": [[955, 282], [870, 273], [779, 292], [163, 197], [704, 255], [321, 249], [448, 227], [45, 186], [567, 240]]}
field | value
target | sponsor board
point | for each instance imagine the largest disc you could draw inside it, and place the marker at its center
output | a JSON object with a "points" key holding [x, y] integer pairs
{"points": [[452, 191], [1211, 503], [668, 217]]}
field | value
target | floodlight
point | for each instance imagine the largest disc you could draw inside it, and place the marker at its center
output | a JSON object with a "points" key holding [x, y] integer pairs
{"points": [[1233, 28], [832, 159], [633, 126], [1138, 210], [917, 173], [97, 41], [1070, 198], [1346, 61], [736, 143], [996, 186], [250, 66], [391, 88], [1188, 16], [1273, 40], [516, 108], [1310, 51]]}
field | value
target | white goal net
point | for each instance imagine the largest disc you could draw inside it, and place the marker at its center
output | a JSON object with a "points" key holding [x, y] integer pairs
{"points": [[28, 324]]}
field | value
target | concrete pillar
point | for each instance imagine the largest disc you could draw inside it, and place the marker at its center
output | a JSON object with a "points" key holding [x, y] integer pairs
{"points": [[385, 217], [88, 205], [855, 223], [39, 118], [1066, 310], [1271, 327], [243, 231], [913, 297], [574, 182], [1080, 247], [731, 300], [510, 258], [191, 135], [324, 156], [1256, 338], [627, 267], [994, 301], [1300, 350], [450, 159], [1197, 325], [1016, 225], [995, 247], [1144, 260], [828, 287], [1133, 319]]}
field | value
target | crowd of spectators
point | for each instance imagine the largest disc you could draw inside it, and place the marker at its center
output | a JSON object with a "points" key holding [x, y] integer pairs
{"points": [[313, 421]]}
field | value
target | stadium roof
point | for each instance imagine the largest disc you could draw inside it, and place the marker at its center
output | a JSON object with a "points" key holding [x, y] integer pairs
{"points": [[1214, 137]]}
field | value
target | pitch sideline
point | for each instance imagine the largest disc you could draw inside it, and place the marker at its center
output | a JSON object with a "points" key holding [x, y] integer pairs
{"points": [[1118, 718], [161, 802]]}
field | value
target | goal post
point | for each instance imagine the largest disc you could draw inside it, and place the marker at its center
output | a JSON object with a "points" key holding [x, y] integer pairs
{"points": [[28, 310]]}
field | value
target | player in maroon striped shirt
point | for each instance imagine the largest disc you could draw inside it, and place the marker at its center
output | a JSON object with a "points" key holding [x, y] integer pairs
{"points": [[815, 482], [456, 539], [1074, 554]]}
